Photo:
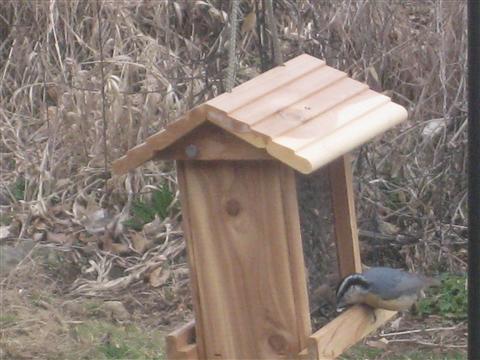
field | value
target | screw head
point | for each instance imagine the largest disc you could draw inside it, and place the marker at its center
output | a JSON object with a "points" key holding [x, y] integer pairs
{"points": [[191, 151]]}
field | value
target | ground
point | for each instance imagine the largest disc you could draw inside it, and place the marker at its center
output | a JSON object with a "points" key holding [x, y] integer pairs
{"points": [[70, 105], [41, 319]]}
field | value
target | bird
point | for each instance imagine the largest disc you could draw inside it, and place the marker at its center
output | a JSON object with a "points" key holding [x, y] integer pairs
{"points": [[382, 288]]}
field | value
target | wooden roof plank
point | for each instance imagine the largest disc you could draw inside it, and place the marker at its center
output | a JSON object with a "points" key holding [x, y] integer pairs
{"points": [[146, 151], [265, 83], [133, 158], [243, 131], [344, 139], [309, 108], [328, 122], [287, 95], [178, 128], [304, 114]]}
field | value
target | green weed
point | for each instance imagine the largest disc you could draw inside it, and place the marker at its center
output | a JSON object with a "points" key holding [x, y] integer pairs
{"points": [[144, 212], [7, 320], [18, 189], [448, 300], [362, 352], [124, 342], [116, 351], [92, 307], [38, 298]]}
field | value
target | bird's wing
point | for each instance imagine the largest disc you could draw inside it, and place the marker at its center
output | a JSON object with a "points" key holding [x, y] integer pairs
{"points": [[393, 283]]}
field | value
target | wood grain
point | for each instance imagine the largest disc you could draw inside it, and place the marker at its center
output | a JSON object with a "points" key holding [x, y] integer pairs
{"points": [[305, 114], [212, 143], [265, 83], [348, 137], [180, 344], [309, 108], [145, 151], [348, 94], [287, 95], [295, 249], [344, 331], [244, 247], [345, 220]]}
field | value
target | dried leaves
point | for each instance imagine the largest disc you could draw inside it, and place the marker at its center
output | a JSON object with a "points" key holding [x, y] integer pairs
{"points": [[162, 58]]}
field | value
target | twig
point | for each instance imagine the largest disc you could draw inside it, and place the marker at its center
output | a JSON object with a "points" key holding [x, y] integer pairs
{"points": [[261, 35], [419, 342], [277, 53], [383, 334], [232, 61]]}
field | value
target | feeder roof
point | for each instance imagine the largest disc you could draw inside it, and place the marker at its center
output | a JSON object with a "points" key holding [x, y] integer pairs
{"points": [[303, 113]]}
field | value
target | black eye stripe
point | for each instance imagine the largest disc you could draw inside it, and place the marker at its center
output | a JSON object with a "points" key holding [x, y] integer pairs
{"points": [[348, 282]]}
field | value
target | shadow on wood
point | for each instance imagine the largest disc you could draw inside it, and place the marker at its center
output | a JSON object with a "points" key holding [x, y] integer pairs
{"points": [[181, 343]]}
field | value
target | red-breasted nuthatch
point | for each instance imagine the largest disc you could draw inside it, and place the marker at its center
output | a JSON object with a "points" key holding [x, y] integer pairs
{"points": [[383, 288]]}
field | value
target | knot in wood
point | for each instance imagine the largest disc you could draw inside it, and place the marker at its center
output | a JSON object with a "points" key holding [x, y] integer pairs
{"points": [[278, 343], [232, 207], [191, 151]]}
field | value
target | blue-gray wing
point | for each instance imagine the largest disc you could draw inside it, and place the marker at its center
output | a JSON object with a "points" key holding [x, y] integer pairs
{"points": [[391, 283]]}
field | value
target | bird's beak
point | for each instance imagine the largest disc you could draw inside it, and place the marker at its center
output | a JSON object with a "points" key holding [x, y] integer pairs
{"points": [[341, 305]]}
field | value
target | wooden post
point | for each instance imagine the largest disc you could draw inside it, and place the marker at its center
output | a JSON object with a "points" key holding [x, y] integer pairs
{"points": [[244, 247], [345, 221]]}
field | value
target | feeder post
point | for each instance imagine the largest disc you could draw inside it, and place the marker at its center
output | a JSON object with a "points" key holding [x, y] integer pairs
{"points": [[345, 221]]}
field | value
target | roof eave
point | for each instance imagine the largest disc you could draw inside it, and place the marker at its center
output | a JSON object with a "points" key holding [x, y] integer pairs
{"points": [[159, 141]]}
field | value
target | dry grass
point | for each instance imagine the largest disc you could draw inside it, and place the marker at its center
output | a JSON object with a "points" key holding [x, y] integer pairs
{"points": [[161, 58], [38, 322]]}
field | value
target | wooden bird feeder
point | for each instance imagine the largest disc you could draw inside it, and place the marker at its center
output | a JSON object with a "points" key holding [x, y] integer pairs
{"points": [[236, 157]]}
